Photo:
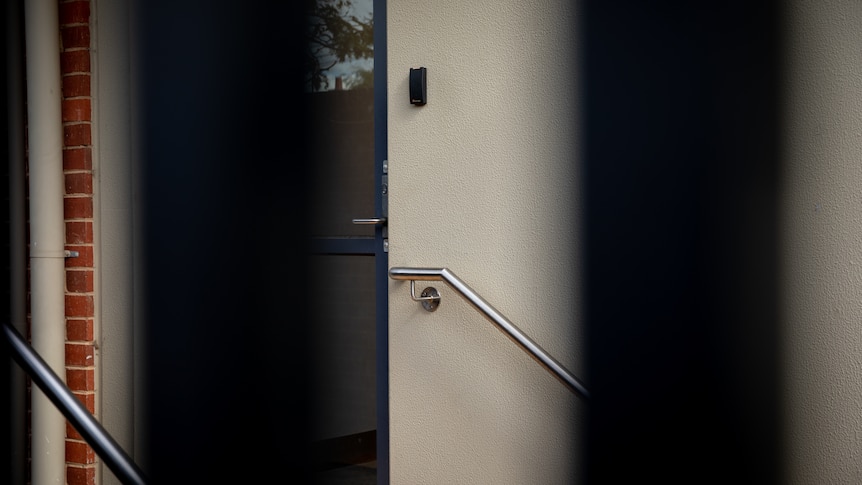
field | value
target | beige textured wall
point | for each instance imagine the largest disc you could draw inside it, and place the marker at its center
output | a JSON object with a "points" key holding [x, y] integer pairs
{"points": [[115, 245], [483, 180], [822, 204]]}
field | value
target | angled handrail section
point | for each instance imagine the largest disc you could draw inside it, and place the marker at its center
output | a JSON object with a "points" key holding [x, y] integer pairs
{"points": [[502, 323], [43, 376]]}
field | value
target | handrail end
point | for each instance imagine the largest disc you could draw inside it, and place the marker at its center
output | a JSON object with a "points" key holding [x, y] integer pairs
{"points": [[416, 274]]}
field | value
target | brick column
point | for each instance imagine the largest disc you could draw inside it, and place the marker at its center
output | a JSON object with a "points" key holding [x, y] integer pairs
{"points": [[78, 214]]}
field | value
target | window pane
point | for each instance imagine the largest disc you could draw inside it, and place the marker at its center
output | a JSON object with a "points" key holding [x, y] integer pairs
{"points": [[343, 353], [340, 66]]}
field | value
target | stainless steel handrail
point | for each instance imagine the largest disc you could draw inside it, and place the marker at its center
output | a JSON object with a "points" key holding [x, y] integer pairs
{"points": [[506, 326], [84, 422]]}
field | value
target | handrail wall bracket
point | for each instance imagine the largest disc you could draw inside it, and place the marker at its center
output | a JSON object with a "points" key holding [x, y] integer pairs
{"points": [[430, 298]]}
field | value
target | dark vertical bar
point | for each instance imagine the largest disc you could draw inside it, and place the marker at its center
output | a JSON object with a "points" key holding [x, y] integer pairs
{"points": [[681, 163], [7, 368], [381, 153], [14, 234], [224, 176]]}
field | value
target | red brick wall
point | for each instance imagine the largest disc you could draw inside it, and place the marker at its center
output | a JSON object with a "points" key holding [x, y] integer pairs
{"points": [[78, 214]]}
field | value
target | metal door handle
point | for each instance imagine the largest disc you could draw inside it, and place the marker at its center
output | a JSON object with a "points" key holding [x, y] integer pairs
{"points": [[373, 221]]}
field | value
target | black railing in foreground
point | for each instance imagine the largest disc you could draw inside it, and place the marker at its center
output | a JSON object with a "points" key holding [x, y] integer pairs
{"points": [[80, 418]]}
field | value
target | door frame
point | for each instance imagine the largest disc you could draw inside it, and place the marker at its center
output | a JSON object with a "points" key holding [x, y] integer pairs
{"points": [[381, 261]]}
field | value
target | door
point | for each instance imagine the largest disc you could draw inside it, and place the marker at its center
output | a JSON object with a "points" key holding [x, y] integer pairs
{"points": [[348, 261]]}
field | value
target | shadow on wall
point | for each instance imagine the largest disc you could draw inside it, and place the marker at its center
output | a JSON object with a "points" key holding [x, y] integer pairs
{"points": [[681, 165]]}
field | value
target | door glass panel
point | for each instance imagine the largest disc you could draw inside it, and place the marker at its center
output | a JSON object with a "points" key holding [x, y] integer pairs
{"points": [[343, 316], [342, 151], [340, 90]]}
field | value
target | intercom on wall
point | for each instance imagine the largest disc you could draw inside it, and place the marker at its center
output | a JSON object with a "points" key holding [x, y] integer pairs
{"points": [[418, 88]]}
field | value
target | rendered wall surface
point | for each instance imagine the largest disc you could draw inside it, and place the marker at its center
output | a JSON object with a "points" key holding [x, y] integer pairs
{"points": [[114, 228], [483, 180], [822, 230]]}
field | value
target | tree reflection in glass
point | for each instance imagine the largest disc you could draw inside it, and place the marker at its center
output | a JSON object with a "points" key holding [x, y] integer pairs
{"points": [[340, 45]]}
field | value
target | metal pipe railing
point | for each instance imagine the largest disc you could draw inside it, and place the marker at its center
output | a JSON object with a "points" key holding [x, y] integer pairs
{"points": [[506, 326], [43, 376]]}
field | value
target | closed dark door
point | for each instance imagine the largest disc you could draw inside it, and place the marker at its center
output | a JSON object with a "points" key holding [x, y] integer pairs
{"points": [[348, 259]]}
